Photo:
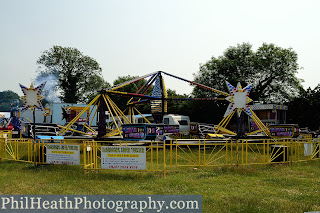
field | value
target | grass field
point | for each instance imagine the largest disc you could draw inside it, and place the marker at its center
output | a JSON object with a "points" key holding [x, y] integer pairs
{"points": [[264, 188]]}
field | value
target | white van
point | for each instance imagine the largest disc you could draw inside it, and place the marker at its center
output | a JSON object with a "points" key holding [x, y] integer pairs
{"points": [[182, 120]]}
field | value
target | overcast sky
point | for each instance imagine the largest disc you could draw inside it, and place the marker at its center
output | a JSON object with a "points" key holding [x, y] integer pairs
{"points": [[136, 37]]}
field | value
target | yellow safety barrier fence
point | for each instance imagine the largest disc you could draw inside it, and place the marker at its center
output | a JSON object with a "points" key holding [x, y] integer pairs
{"points": [[17, 149], [29, 150], [6, 134], [45, 149], [158, 156], [151, 155], [220, 152]]}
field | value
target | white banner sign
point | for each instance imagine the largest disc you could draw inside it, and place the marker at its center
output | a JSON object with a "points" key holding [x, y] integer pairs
{"points": [[308, 149], [63, 154], [123, 157]]}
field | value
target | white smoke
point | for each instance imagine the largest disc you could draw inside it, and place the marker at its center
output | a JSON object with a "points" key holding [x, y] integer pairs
{"points": [[50, 89]]}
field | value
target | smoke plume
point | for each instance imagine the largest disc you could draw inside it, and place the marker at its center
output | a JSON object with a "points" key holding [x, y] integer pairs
{"points": [[50, 89]]}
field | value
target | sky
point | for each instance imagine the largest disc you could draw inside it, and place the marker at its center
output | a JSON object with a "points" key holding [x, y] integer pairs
{"points": [[137, 37]]}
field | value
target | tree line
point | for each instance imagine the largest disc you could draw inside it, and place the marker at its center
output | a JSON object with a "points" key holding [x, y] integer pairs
{"points": [[270, 69]]}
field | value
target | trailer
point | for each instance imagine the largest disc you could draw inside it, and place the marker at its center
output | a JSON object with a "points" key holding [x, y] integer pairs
{"points": [[182, 121]]}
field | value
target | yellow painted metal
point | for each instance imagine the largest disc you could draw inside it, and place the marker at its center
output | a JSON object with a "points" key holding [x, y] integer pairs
{"points": [[184, 152], [89, 128], [151, 148], [94, 115], [115, 122], [214, 136], [227, 131], [141, 115], [73, 130], [117, 92], [228, 120], [220, 92], [155, 151], [84, 151], [164, 159], [90, 149], [67, 127], [255, 132], [244, 152], [166, 96], [110, 107], [116, 109], [113, 109], [16, 149], [113, 133], [264, 151], [5, 134], [129, 102], [237, 152], [199, 153], [224, 119], [224, 122], [157, 155], [125, 118], [130, 81], [226, 153], [259, 123], [1, 148], [170, 153], [214, 156], [204, 153], [221, 127]]}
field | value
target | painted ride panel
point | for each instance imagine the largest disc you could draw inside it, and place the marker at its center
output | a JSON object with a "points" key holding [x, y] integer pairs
{"points": [[284, 130], [137, 132]]}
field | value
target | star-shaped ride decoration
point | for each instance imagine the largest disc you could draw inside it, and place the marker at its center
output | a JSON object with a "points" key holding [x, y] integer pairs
{"points": [[239, 99], [32, 97]]}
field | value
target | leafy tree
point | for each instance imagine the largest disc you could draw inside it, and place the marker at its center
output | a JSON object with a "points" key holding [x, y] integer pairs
{"points": [[130, 88], [178, 106], [5, 99], [305, 109], [133, 87], [79, 76], [272, 71], [275, 77], [96, 84]]}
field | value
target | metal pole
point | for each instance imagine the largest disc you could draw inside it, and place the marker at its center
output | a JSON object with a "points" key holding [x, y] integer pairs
{"points": [[34, 138], [102, 116], [34, 124], [240, 124]]}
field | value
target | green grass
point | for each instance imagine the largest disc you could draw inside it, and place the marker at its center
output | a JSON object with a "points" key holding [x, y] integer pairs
{"points": [[264, 188]]}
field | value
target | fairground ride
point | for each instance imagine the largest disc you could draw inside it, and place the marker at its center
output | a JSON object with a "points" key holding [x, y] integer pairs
{"points": [[237, 96]]}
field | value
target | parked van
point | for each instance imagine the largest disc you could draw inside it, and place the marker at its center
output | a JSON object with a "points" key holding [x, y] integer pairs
{"points": [[182, 120]]}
